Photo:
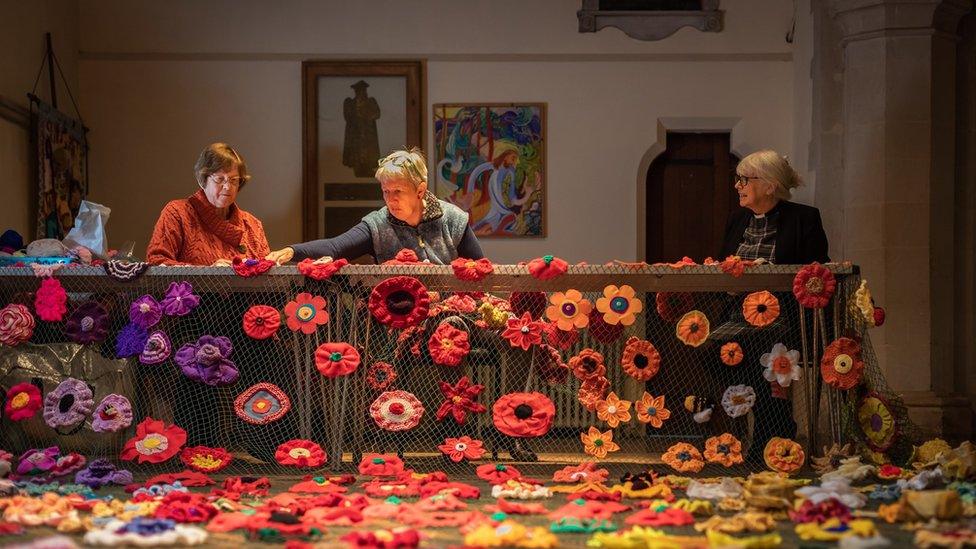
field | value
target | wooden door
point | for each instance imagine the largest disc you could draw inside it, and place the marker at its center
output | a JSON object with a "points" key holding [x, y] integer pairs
{"points": [[690, 194]]}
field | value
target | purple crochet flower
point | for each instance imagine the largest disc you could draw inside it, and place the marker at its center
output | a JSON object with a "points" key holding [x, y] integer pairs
{"points": [[113, 413], [157, 348], [36, 461], [68, 404], [131, 340], [101, 472], [88, 323], [148, 526], [207, 361], [180, 299], [145, 312]]}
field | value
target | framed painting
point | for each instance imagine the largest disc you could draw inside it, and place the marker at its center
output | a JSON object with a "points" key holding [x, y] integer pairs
{"points": [[490, 160], [353, 114]]}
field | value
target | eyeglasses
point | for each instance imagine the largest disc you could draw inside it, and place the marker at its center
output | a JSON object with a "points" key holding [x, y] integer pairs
{"points": [[743, 180], [222, 181]]}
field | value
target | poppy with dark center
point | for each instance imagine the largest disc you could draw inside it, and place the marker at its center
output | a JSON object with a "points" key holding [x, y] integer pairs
{"points": [[523, 415], [640, 359], [587, 364], [399, 302]]}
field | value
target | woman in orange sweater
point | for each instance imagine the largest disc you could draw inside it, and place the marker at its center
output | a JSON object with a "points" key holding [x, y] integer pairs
{"points": [[208, 228]]}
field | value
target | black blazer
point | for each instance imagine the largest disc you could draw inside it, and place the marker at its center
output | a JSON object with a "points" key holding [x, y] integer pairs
{"points": [[800, 237]]}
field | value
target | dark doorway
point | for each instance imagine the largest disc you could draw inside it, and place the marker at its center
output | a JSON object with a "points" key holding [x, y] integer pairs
{"points": [[689, 196]]}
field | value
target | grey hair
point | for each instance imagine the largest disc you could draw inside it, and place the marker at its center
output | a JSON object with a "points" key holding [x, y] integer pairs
{"points": [[771, 167]]}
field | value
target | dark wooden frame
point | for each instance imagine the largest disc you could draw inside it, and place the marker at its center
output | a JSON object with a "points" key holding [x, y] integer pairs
{"points": [[415, 71]]}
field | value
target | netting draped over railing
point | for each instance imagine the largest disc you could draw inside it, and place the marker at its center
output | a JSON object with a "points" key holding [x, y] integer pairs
{"points": [[473, 365]]}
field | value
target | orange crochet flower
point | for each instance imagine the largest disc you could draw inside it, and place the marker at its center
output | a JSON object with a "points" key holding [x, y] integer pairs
{"points": [[619, 305], [569, 310], [760, 308], [598, 444], [684, 457], [724, 449], [783, 455], [693, 328], [584, 472], [842, 366], [588, 363], [613, 410], [640, 359], [592, 390], [731, 354], [651, 410]]}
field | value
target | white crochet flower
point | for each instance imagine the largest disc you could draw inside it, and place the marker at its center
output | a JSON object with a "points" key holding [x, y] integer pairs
{"points": [[738, 400], [781, 365], [839, 489]]}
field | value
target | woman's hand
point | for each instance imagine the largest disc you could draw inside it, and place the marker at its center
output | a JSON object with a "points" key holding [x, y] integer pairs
{"points": [[283, 255], [222, 263]]}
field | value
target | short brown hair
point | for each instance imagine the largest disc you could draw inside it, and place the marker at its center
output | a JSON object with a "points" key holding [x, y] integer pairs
{"points": [[217, 157]]}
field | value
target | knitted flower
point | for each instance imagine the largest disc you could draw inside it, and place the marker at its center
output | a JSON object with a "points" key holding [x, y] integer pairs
{"points": [[560, 339], [22, 402], [300, 453], [448, 345], [306, 313], [320, 269], [841, 366], [204, 459], [157, 348], [737, 400], [813, 286], [124, 270], [154, 442], [693, 328], [36, 461], [684, 458], [251, 266], [673, 305], [587, 364], [569, 310], [523, 332], [760, 308], [613, 410], [731, 354], [380, 465], [261, 321], [112, 414], [145, 312], [497, 473], [459, 400], [399, 302], [550, 366], [640, 359], [180, 299], [463, 448], [651, 410], [102, 472], [781, 365], [591, 390], [68, 404], [207, 361], [131, 340], [51, 301], [724, 449], [336, 359], [262, 403], [585, 472], [396, 411], [877, 422], [534, 303], [783, 455], [380, 375], [472, 269], [16, 324], [523, 415], [598, 444], [547, 267], [602, 332], [618, 305], [87, 324]]}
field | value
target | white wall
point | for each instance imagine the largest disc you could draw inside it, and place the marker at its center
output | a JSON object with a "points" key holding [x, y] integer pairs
{"points": [[161, 80]]}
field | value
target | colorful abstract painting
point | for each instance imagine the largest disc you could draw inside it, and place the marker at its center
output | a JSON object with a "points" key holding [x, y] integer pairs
{"points": [[490, 161]]}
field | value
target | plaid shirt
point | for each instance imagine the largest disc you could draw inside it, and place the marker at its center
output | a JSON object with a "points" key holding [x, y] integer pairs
{"points": [[759, 239]]}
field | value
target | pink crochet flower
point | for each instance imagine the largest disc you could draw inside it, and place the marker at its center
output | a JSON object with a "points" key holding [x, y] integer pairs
{"points": [[50, 301]]}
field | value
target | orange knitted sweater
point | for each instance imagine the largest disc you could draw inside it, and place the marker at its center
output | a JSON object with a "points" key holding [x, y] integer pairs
{"points": [[190, 231]]}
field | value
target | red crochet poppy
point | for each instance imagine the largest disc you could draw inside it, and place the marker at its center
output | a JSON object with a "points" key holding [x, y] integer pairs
{"points": [[588, 363], [258, 487], [406, 256], [154, 442], [186, 478], [547, 267], [671, 516], [523, 415], [733, 265], [463, 448], [560, 339], [396, 411], [592, 390], [456, 489], [380, 465], [502, 505], [397, 538], [534, 303], [336, 359], [320, 270], [813, 286], [472, 269], [380, 375], [399, 302], [459, 400], [523, 332], [300, 453], [318, 485], [497, 473], [550, 366], [204, 459], [185, 507], [447, 345], [251, 267], [601, 331], [306, 313], [385, 488], [261, 321], [673, 305]]}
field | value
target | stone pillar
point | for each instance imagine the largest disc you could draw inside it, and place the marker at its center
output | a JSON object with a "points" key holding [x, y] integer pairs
{"points": [[899, 62]]}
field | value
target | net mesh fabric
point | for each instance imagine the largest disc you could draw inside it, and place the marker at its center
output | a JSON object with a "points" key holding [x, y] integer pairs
{"points": [[335, 412]]}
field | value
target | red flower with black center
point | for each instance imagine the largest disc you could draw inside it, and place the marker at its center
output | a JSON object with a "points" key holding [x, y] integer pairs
{"points": [[547, 267], [381, 375], [399, 302], [320, 270], [300, 453], [497, 473], [523, 332], [813, 286], [204, 459], [380, 465], [459, 400], [472, 269], [523, 415], [336, 359], [261, 321], [447, 345]]}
